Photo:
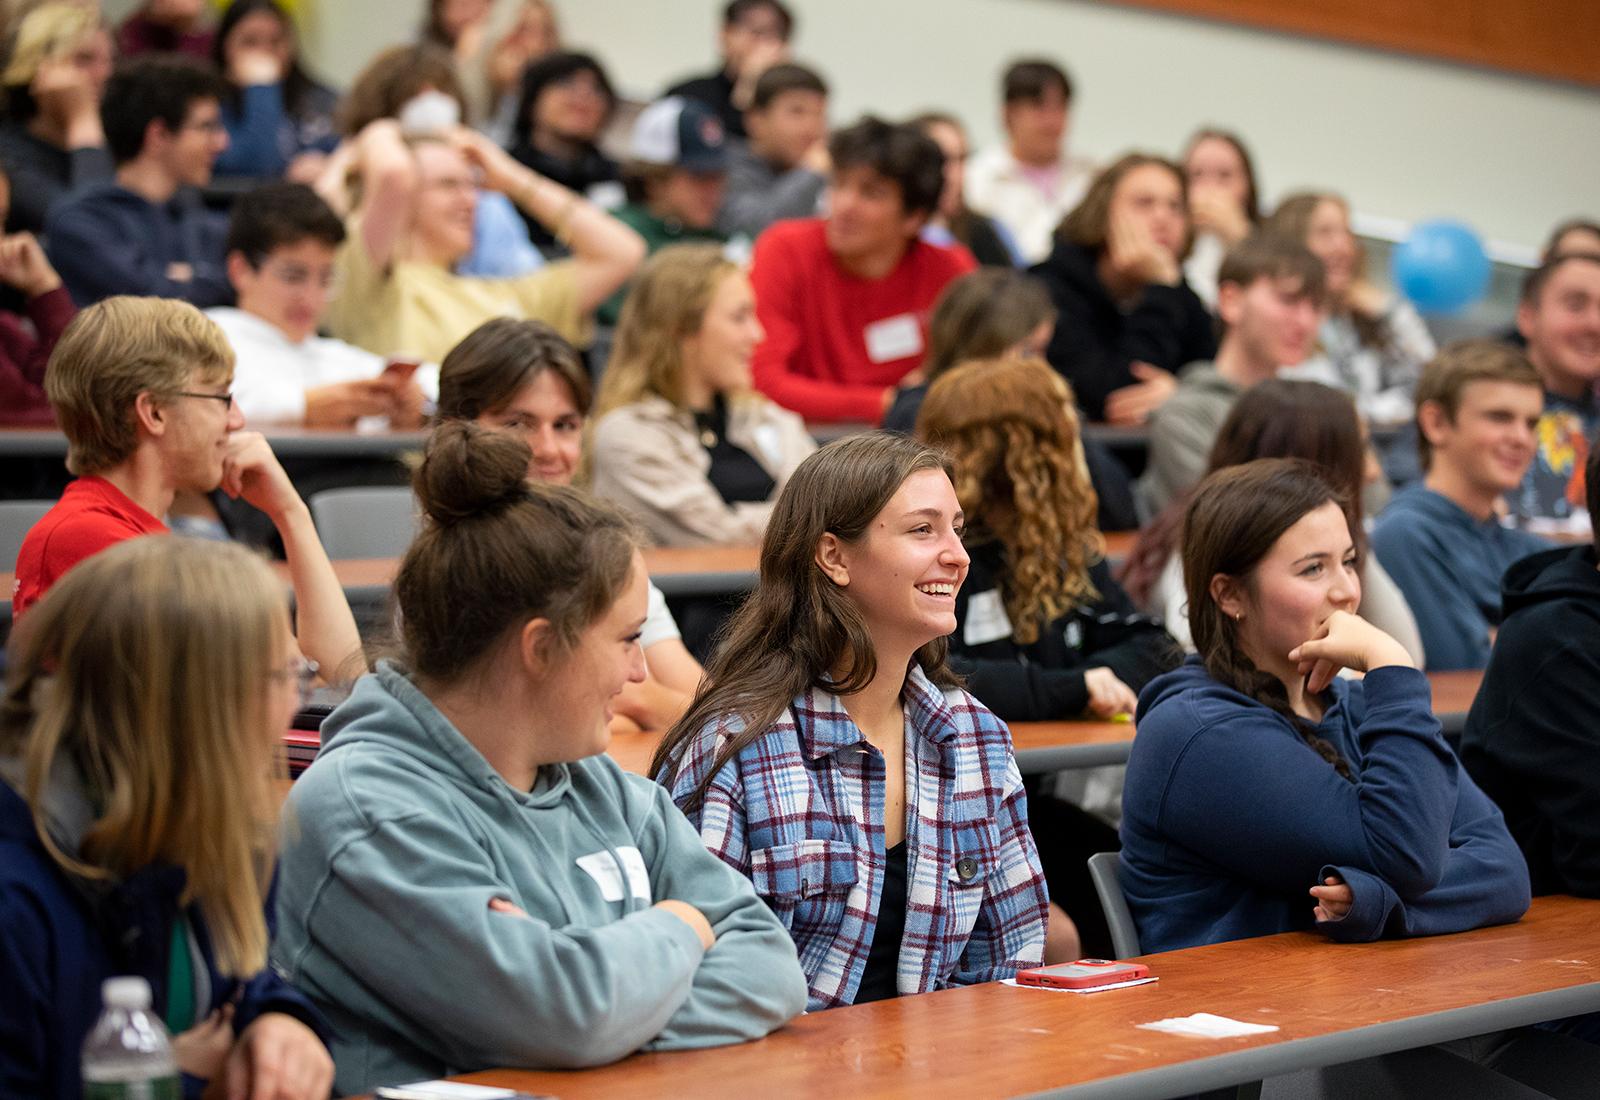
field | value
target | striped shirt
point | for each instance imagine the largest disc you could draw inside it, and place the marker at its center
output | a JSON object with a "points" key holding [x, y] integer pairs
{"points": [[801, 810]]}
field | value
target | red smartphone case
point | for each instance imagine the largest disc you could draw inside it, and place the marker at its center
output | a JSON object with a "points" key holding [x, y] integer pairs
{"points": [[1083, 974]]}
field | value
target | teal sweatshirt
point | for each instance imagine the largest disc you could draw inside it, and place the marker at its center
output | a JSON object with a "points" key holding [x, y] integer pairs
{"points": [[398, 838]]}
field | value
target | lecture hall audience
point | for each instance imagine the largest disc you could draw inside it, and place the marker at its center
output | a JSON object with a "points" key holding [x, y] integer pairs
{"points": [[834, 813]]}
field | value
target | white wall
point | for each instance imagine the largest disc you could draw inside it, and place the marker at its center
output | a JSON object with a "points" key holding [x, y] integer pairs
{"points": [[1402, 137]]}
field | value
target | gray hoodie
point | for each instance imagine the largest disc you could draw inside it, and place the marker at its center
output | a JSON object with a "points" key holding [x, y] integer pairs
{"points": [[399, 836], [1181, 433]]}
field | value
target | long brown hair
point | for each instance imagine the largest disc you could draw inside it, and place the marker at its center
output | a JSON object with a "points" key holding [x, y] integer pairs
{"points": [[798, 628], [499, 550], [667, 303], [491, 364], [1236, 516], [1278, 418], [1088, 224], [1020, 476], [983, 315], [149, 668], [1292, 218], [1252, 197]]}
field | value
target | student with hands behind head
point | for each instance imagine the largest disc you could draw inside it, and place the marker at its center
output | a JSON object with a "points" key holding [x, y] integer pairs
{"points": [[414, 223]]}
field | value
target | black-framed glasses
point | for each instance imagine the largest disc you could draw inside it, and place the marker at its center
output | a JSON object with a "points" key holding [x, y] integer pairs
{"points": [[304, 674], [225, 398]]}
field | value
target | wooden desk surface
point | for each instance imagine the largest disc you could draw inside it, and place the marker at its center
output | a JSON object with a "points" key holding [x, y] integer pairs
{"points": [[1332, 1002]]}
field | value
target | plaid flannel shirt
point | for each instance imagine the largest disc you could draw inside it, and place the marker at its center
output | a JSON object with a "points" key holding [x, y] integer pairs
{"points": [[800, 811]]}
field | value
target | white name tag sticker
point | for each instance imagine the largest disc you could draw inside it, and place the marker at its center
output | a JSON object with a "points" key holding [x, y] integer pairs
{"points": [[987, 620], [892, 338], [606, 874]]}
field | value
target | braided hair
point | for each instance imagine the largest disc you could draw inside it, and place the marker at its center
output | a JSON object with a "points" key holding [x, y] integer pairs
{"points": [[1232, 522]]}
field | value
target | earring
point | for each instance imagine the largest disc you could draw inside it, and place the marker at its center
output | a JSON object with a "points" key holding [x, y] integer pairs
{"points": [[1238, 617]]}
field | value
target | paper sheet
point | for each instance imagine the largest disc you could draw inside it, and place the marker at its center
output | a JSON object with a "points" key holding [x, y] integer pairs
{"points": [[1205, 1025]]}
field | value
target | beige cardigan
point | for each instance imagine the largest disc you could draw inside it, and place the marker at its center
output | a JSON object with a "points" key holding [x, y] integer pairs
{"points": [[647, 458]]}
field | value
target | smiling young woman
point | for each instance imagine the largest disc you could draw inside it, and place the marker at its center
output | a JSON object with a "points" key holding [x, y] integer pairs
{"points": [[830, 756], [681, 440], [1267, 793]]}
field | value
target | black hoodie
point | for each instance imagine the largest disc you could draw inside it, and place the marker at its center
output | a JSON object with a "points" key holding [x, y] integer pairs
{"points": [[1096, 340], [1532, 738]]}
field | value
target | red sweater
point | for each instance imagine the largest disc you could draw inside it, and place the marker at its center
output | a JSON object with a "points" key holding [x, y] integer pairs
{"points": [[23, 356], [835, 343], [91, 515]]}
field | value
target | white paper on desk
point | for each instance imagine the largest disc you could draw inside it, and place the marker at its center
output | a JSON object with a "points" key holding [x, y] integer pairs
{"points": [[1095, 989], [455, 1090], [1205, 1025]]}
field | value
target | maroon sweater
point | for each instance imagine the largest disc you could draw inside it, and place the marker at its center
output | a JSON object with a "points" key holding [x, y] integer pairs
{"points": [[23, 357]]}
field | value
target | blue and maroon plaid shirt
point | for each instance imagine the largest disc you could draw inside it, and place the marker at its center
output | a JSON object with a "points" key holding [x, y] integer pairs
{"points": [[800, 811]]}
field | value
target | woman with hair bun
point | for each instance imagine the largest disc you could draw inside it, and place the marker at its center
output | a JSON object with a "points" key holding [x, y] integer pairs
{"points": [[521, 377], [472, 883]]}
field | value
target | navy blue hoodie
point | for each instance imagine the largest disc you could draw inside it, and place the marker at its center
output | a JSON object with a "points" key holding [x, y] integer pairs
{"points": [[108, 240], [1229, 818], [1531, 738], [61, 936]]}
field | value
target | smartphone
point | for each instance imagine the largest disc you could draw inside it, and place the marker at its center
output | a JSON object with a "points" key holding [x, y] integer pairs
{"points": [[400, 368], [1083, 974]]}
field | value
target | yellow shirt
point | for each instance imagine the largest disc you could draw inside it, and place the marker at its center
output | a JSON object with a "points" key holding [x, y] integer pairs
{"points": [[418, 309]]}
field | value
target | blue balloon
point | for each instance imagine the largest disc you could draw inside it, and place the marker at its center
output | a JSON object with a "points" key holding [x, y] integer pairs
{"points": [[1441, 267]]}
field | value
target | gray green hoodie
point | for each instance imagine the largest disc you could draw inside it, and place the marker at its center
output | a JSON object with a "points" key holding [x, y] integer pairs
{"points": [[400, 835]]}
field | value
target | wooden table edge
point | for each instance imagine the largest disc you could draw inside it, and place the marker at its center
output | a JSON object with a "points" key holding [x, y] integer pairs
{"points": [[1255, 1063]]}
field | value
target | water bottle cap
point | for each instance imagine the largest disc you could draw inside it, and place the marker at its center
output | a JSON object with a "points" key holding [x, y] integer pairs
{"points": [[127, 993]]}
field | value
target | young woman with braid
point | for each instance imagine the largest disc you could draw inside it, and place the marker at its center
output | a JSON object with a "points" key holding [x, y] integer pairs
{"points": [[1279, 418], [1265, 794]]}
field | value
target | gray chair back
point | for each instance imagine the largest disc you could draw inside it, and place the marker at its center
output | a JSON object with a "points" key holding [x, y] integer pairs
{"points": [[366, 521], [17, 517], [1124, 933]]}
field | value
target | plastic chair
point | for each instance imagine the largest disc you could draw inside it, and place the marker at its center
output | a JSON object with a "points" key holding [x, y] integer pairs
{"points": [[1124, 933], [17, 517], [365, 522]]}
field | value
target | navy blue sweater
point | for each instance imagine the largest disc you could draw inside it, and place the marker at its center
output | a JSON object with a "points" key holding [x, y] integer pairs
{"points": [[107, 240], [60, 937], [1229, 818], [1448, 565]]}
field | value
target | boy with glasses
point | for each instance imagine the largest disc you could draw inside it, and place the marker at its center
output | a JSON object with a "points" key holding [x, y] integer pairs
{"points": [[140, 386], [281, 247], [146, 231]]}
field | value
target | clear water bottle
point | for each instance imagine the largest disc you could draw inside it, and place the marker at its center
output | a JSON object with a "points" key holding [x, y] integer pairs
{"points": [[128, 1055]]}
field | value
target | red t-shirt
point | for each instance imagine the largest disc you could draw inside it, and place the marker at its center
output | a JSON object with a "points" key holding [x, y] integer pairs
{"points": [[834, 342], [91, 515]]}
